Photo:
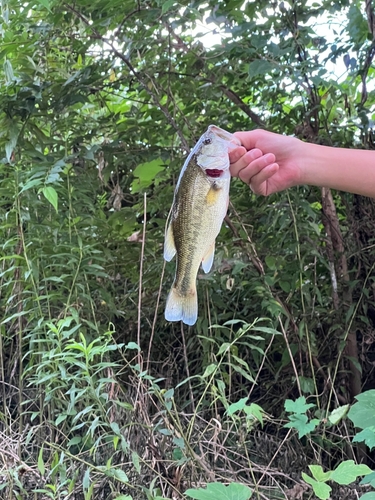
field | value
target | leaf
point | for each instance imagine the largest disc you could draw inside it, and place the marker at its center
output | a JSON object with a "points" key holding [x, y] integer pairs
{"points": [[260, 67], [45, 4], [362, 413], [234, 407], [254, 410], [266, 329], [75, 440], [301, 424], [135, 460], [145, 174], [218, 491], [348, 471], [369, 479], [118, 474], [285, 286], [338, 413], [321, 490], [132, 345], [209, 370], [224, 347], [319, 474], [8, 71], [297, 406], [242, 372], [86, 480], [367, 435], [368, 496], [271, 262], [167, 5], [41, 466], [123, 497], [51, 195]]}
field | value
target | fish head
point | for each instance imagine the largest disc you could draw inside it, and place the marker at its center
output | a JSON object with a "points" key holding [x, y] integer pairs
{"points": [[212, 150]]}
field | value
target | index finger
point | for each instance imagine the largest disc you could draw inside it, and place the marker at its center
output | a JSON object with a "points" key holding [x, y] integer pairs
{"points": [[249, 139], [236, 154]]}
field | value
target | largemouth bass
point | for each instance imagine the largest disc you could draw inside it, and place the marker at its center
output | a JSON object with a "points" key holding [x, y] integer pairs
{"points": [[199, 207]]}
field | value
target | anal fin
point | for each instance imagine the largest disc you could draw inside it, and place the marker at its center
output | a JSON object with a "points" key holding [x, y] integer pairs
{"points": [[208, 259]]}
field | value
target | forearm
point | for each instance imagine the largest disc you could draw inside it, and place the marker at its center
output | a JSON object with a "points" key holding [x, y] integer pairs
{"points": [[351, 170]]}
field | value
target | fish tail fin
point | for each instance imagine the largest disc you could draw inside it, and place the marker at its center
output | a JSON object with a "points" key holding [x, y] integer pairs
{"points": [[182, 307]]}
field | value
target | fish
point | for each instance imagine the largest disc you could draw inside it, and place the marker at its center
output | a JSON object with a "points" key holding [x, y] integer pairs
{"points": [[199, 206]]}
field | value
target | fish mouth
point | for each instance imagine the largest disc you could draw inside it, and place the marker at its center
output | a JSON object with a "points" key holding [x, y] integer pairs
{"points": [[225, 135], [213, 172]]}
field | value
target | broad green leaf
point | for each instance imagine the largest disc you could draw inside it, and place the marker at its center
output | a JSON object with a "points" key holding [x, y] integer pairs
{"points": [[145, 174], [321, 490], [362, 413], [307, 385], [260, 67], [271, 262], [254, 410], [132, 345], [369, 479], [234, 407], [319, 474], [51, 195], [218, 491], [115, 427], [357, 26], [285, 285], [301, 424], [348, 471], [368, 496], [338, 413], [367, 435], [297, 406]]}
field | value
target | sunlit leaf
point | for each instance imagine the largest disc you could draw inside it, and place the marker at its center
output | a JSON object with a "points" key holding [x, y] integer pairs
{"points": [[51, 195]]}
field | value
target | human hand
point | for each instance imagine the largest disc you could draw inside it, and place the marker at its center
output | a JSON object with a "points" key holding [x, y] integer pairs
{"points": [[266, 161]]}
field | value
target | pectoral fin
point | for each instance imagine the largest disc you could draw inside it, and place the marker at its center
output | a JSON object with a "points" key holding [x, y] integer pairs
{"points": [[208, 259], [169, 246]]}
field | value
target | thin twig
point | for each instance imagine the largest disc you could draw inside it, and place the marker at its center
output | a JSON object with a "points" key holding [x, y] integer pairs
{"points": [[155, 317], [140, 278]]}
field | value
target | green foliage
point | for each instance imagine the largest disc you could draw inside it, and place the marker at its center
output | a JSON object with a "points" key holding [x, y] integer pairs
{"points": [[361, 413], [233, 491], [345, 473], [298, 419]]}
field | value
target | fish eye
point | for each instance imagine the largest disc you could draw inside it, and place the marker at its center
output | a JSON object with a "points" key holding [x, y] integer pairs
{"points": [[207, 141]]}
